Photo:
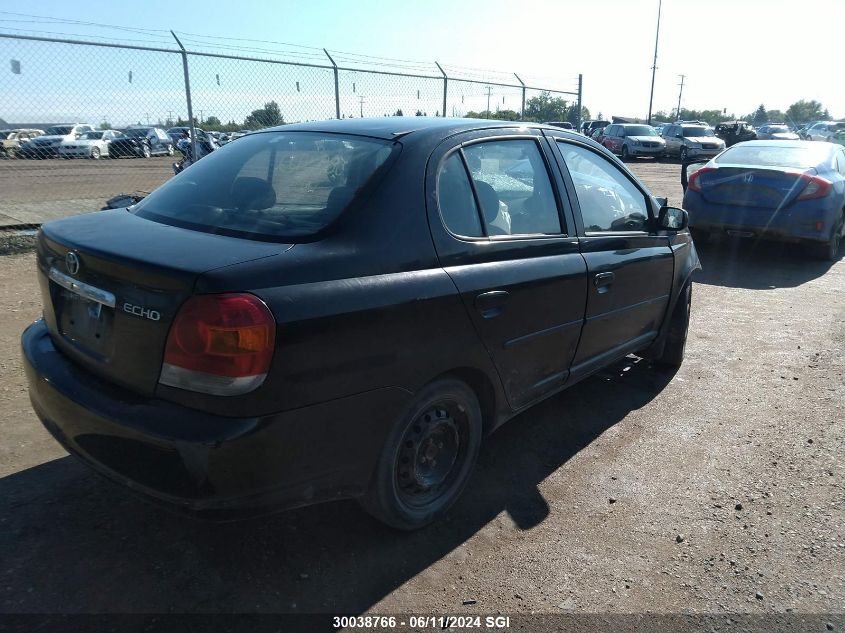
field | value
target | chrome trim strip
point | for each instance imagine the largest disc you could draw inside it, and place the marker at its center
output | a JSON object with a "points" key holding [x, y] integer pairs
{"points": [[85, 290]]}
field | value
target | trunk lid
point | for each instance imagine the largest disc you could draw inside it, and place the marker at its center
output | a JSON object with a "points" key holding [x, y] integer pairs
{"points": [[110, 310], [753, 186]]}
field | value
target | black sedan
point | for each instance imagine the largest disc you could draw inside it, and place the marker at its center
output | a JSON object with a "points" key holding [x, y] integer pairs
{"points": [[345, 309], [141, 142]]}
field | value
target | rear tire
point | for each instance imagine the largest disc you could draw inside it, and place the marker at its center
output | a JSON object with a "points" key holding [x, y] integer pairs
{"points": [[829, 251], [676, 337], [427, 458]]}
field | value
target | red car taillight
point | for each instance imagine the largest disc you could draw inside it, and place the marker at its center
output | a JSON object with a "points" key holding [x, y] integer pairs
{"points": [[693, 182], [219, 344], [817, 187]]}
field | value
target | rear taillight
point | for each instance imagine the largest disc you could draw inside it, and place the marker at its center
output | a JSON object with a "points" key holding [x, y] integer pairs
{"points": [[219, 344], [817, 187], [694, 178]]}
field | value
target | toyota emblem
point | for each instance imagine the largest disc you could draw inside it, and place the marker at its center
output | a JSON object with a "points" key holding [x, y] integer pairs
{"points": [[72, 262]]}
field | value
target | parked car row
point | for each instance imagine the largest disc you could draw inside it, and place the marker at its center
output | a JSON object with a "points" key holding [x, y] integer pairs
{"points": [[10, 140], [81, 140]]}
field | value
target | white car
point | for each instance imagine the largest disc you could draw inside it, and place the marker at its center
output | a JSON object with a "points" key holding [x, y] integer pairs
{"points": [[47, 145], [90, 145]]}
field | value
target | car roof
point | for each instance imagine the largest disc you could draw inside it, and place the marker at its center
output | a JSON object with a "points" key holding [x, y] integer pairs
{"points": [[390, 128], [785, 143]]}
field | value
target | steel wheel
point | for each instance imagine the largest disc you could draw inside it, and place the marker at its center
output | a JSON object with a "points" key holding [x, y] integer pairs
{"points": [[428, 457]]}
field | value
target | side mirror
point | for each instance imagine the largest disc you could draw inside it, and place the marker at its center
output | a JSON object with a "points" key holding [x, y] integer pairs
{"points": [[672, 219]]}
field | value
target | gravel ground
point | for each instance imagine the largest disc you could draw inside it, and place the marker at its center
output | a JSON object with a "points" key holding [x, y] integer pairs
{"points": [[719, 489]]}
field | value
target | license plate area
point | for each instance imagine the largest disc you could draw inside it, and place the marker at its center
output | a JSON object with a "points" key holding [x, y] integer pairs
{"points": [[84, 314]]}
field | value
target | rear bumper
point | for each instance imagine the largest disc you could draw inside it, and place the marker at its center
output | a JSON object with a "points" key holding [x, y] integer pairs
{"points": [[208, 465], [786, 226]]}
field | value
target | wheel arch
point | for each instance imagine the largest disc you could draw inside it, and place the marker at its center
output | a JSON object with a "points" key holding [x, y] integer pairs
{"points": [[482, 386]]}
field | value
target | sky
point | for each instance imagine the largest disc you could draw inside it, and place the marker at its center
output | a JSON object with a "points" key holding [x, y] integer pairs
{"points": [[735, 54]]}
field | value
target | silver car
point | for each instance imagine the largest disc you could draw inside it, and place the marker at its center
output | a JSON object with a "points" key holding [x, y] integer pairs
{"points": [[824, 130], [691, 140], [776, 132]]}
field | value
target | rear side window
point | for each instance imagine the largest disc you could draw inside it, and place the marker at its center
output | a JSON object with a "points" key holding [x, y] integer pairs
{"points": [[456, 200], [270, 185], [609, 201], [513, 187]]}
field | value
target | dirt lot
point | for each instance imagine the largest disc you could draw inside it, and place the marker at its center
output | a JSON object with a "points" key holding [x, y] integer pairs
{"points": [[720, 488]]}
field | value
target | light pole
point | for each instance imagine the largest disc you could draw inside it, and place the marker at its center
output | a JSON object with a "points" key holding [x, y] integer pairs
{"points": [[654, 64]]}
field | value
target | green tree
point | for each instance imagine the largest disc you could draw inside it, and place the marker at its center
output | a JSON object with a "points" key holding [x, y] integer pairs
{"points": [[544, 107], [105, 125], [760, 115], [572, 114], [805, 111], [212, 122], [398, 112], [267, 116]]}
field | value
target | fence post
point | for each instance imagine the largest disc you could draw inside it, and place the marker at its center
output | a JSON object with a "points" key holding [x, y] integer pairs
{"points": [[194, 141], [445, 86], [522, 111], [580, 90], [336, 86]]}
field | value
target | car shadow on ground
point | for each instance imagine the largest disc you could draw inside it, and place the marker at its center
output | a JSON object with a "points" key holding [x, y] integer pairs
{"points": [[757, 265], [73, 543]]}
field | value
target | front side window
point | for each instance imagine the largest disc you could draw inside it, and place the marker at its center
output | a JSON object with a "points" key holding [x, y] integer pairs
{"points": [[513, 187], [609, 201], [269, 186]]}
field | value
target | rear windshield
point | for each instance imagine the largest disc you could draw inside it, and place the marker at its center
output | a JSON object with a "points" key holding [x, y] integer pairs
{"points": [[774, 156], [269, 185], [640, 130], [696, 131], [777, 129], [58, 130]]}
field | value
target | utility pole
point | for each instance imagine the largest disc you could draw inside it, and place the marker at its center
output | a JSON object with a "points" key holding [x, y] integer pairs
{"points": [[170, 116], [361, 102], [147, 114], [654, 64], [489, 92], [680, 92], [200, 111]]}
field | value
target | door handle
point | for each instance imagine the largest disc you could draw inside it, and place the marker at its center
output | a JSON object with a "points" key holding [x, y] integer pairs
{"points": [[491, 304], [603, 281]]}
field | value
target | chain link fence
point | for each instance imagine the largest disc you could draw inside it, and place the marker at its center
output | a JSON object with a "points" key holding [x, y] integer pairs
{"points": [[113, 104]]}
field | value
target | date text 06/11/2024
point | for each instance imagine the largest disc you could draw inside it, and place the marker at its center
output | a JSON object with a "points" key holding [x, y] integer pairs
{"points": [[440, 622]]}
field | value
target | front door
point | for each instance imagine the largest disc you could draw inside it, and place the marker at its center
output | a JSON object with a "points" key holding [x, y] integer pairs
{"points": [[508, 243], [629, 268]]}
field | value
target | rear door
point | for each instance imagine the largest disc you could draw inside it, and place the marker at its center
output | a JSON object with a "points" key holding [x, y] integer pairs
{"points": [[629, 268], [507, 240]]}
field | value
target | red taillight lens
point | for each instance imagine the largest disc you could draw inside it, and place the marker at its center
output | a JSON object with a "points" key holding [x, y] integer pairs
{"points": [[220, 344], [817, 187], [694, 181]]}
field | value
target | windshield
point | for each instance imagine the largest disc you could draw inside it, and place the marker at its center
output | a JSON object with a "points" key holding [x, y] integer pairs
{"points": [[136, 133], [698, 130], [777, 129], [58, 130], [769, 155], [269, 185], [93, 135], [640, 130]]}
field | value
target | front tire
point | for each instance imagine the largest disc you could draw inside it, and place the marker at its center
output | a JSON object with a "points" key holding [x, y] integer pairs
{"points": [[676, 337], [146, 152], [427, 458], [626, 156], [684, 154], [95, 153]]}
